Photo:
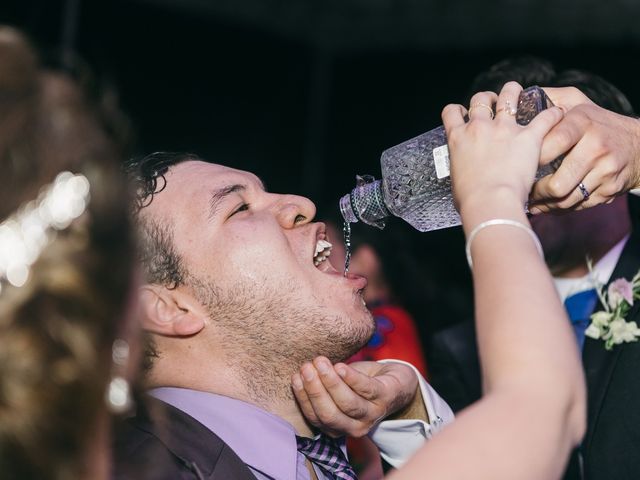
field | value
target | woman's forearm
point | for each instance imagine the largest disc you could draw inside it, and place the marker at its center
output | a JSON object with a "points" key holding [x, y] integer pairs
{"points": [[533, 409]]}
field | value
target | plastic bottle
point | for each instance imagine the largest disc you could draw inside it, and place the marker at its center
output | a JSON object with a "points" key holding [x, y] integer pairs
{"points": [[416, 185]]}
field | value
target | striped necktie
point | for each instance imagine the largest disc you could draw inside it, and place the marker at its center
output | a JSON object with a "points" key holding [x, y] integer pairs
{"points": [[326, 453]]}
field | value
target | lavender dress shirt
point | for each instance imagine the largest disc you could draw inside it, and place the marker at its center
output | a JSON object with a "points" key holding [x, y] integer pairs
{"points": [[265, 443]]}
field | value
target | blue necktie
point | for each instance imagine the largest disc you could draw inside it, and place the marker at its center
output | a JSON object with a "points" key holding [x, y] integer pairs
{"points": [[580, 306]]}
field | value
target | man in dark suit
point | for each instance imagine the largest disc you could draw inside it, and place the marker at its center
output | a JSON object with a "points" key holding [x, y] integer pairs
{"points": [[612, 444], [160, 441], [610, 236], [454, 365]]}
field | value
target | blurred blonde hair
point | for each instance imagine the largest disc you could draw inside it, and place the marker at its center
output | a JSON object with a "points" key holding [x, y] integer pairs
{"points": [[56, 331]]}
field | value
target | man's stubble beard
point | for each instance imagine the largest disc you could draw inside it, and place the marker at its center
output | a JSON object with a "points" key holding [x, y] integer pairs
{"points": [[269, 332]]}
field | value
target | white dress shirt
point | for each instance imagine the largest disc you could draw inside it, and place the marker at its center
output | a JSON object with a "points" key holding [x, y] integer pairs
{"points": [[398, 440]]}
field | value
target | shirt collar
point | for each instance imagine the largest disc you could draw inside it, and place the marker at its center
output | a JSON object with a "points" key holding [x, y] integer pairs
{"points": [[262, 440], [602, 272]]}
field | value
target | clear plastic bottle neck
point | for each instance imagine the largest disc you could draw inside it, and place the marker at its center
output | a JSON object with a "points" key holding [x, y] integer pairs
{"points": [[365, 203]]}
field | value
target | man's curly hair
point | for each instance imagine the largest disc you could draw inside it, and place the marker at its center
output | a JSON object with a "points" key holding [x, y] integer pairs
{"points": [[161, 263]]}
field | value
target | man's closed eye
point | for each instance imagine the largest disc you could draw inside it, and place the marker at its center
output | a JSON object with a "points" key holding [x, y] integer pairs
{"points": [[241, 208]]}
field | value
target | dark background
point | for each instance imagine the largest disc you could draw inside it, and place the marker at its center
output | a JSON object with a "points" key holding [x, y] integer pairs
{"points": [[307, 93]]}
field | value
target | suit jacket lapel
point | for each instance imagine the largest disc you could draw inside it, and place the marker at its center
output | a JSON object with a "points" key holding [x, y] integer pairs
{"points": [[198, 448], [600, 363]]}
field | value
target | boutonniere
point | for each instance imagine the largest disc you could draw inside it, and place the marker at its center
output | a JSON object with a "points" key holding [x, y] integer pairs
{"points": [[610, 324]]}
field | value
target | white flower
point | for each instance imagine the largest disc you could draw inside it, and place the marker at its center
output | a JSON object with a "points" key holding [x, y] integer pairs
{"points": [[621, 331], [593, 331], [633, 327], [619, 290], [610, 325], [601, 319]]}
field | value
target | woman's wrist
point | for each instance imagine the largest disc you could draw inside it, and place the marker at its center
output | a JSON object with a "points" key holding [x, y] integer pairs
{"points": [[500, 222], [501, 202]]}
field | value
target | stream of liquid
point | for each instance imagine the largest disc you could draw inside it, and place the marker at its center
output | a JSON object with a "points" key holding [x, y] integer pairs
{"points": [[346, 232]]}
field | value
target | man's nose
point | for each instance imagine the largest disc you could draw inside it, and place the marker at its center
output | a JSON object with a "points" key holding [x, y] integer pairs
{"points": [[294, 210]]}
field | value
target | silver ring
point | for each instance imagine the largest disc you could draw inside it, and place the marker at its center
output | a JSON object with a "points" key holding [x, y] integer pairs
{"points": [[584, 191]]}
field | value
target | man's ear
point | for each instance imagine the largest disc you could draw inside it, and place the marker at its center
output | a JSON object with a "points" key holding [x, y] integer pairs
{"points": [[171, 312]]}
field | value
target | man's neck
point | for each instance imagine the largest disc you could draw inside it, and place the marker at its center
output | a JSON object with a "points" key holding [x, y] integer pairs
{"points": [[271, 391], [578, 266], [290, 411], [251, 383]]}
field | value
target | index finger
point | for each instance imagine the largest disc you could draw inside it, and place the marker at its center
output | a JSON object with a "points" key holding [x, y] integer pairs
{"points": [[567, 97], [361, 383], [345, 398], [560, 184], [318, 405], [453, 116], [563, 136]]}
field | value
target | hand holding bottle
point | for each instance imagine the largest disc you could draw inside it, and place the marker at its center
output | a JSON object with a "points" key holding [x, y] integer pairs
{"points": [[416, 182], [494, 157], [602, 153]]}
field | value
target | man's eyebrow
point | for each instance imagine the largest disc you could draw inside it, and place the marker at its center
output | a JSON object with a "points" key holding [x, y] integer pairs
{"points": [[218, 195]]}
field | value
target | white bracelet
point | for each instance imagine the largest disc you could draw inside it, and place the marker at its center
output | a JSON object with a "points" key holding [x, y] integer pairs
{"points": [[500, 221]]}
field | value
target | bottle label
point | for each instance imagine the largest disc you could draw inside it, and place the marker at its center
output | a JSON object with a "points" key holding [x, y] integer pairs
{"points": [[441, 161]]}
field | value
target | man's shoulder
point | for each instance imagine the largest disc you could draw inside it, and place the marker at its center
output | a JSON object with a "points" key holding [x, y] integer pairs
{"points": [[163, 442]]}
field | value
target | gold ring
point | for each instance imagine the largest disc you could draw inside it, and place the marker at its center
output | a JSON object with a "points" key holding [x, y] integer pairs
{"points": [[508, 109], [483, 106]]}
